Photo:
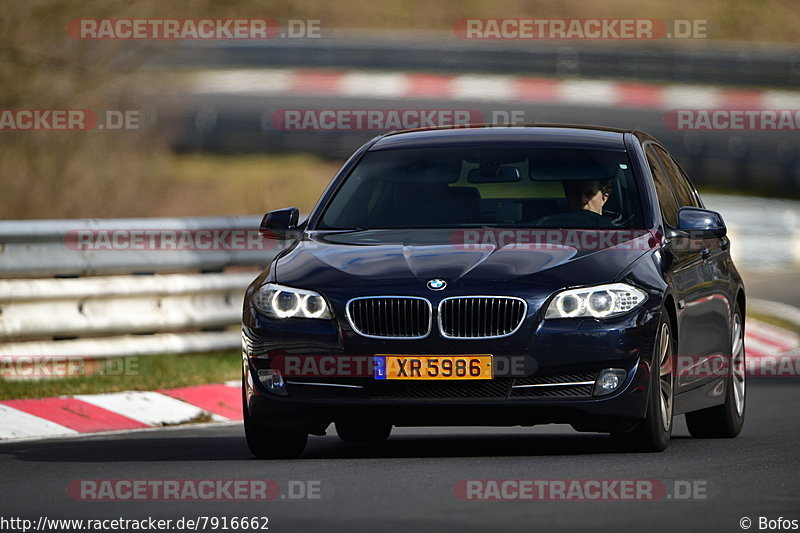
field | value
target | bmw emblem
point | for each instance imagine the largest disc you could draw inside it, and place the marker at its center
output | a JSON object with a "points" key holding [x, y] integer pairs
{"points": [[437, 284]]}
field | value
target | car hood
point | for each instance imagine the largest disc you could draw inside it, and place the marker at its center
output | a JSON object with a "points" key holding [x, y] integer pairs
{"points": [[403, 261]]}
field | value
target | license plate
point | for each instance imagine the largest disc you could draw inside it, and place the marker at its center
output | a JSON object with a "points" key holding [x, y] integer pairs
{"points": [[433, 367]]}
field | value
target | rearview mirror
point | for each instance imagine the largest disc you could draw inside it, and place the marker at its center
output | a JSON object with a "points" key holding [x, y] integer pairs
{"points": [[490, 173], [701, 223], [276, 224]]}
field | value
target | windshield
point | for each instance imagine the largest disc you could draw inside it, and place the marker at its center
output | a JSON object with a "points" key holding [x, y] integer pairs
{"points": [[487, 187]]}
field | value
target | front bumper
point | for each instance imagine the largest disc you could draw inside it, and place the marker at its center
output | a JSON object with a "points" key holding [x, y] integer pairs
{"points": [[617, 412], [557, 351]]}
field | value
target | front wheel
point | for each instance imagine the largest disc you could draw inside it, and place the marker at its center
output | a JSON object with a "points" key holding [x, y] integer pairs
{"points": [[653, 433], [267, 441], [726, 420]]}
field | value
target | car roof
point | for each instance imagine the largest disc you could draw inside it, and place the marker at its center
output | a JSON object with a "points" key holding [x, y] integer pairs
{"points": [[543, 135]]}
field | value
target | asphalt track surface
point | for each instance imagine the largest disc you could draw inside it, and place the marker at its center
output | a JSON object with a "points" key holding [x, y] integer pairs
{"points": [[406, 484]]}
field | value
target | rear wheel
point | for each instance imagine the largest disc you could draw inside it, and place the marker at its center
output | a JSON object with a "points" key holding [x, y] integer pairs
{"points": [[726, 420], [362, 431], [269, 441], [653, 433]]}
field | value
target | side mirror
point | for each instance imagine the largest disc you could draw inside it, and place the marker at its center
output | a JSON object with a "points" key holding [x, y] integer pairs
{"points": [[701, 223], [276, 224]]}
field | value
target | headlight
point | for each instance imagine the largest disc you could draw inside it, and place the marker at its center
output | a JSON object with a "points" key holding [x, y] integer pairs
{"points": [[601, 301], [278, 301]]}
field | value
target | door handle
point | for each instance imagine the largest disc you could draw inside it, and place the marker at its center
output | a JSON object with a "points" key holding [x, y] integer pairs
{"points": [[706, 253]]}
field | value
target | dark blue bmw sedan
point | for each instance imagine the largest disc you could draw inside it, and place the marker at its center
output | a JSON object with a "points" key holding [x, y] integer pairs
{"points": [[497, 276]]}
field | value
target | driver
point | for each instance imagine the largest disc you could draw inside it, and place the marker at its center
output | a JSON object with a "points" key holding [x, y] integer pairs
{"points": [[590, 195]]}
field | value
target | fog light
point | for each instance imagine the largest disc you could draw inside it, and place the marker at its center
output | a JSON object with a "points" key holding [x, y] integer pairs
{"points": [[609, 380], [272, 381]]}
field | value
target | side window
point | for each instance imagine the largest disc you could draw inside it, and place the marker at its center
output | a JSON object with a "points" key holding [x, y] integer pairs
{"points": [[669, 206], [696, 200], [680, 185]]}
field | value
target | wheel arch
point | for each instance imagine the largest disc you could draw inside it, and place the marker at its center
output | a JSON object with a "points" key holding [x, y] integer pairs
{"points": [[669, 306], [741, 300]]}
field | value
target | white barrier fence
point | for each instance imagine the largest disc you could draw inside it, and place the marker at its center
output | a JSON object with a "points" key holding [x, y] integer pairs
{"points": [[48, 248], [764, 232], [61, 296]]}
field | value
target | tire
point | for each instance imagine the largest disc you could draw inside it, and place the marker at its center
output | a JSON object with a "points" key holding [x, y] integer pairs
{"points": [[653, 433], [725, 421], [362, 431], [267, 441]]}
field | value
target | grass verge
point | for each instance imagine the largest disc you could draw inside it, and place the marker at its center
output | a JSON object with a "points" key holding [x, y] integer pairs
{"points": [[137, 373], [208, 184]]}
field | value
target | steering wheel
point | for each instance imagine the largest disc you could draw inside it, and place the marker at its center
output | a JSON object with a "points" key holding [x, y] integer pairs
{"points": [[575, 219]]}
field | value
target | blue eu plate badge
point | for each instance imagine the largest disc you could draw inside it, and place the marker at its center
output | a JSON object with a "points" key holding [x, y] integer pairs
{"points": [[380, 367]]}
